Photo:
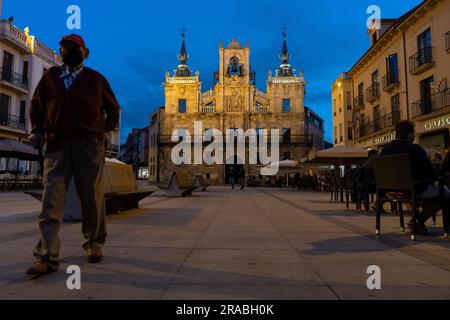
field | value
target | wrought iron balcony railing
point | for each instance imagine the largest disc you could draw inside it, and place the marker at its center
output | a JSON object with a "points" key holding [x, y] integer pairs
{"points": [[373, 92], [429, 105], [14, 78], [384, 122], [11, 121], [391, 80], [421, 61]]}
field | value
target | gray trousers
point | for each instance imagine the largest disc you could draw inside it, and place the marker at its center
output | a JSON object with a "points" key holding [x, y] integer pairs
{"points": [[84, 159]]}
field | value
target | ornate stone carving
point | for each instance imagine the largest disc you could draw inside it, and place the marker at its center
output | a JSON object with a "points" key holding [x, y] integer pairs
{"points": [[234, 44], [234, 81], [233, 102]]}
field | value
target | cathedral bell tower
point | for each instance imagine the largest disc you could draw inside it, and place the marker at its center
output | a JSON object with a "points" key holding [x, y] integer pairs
{"points": [[286, 90], [182, 91], [235, 81]]}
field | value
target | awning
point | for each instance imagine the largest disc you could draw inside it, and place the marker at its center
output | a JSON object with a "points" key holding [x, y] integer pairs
{"points": [[338, 155], [285, 164]]}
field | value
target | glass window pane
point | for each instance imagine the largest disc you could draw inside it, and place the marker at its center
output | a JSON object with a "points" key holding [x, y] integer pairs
{"points": [[286, 105], [182, 106]]}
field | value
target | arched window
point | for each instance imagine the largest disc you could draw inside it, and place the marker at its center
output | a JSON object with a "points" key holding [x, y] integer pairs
{"points": [[234, 68]]}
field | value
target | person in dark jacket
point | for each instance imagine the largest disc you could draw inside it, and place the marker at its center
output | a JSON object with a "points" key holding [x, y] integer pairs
{"points": [[436, 159], [367, 178], [242, 176], [422, 168], [72, 110], [446, 162], [445, 168], [232, 175]]}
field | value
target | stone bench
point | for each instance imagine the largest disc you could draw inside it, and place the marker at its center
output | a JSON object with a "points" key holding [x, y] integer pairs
{"points": [[121, 191], [199, 182], [181, 185]]}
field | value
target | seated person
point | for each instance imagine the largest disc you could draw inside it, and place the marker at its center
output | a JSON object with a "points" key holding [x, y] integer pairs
{"points": [[436, 159], [446, 163], [445, 168], [422, 169], [367, 176]]}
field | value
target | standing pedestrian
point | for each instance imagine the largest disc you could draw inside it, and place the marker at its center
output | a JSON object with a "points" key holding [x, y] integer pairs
{"points": [[242, 177], [446, 162], [72, 109], [232, 175]]}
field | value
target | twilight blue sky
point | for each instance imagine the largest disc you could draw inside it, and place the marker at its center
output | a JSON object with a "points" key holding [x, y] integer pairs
{"points": [[133, 43]]}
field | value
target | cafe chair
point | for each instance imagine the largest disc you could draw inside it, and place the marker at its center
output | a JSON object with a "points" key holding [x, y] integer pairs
{"points": [[395, 182]]}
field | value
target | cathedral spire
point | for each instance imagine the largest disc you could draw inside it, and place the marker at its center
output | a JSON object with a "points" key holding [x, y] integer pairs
{"points": [[285, 55], [183, 69], [183, 56], [285, 69]]}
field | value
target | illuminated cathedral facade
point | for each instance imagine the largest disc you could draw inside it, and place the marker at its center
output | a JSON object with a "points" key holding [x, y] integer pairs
{"points": [[233, 103]]}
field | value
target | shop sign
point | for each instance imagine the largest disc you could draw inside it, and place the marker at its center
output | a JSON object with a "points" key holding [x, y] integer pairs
{"points": [[379, 140], [438, 123]]}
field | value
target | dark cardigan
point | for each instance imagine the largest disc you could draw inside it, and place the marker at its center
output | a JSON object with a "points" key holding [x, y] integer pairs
{"points": [[88, 109]]}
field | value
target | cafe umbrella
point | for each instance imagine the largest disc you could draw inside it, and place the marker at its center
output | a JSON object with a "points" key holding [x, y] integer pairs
{"points": [[285, 165], [338, 155]]}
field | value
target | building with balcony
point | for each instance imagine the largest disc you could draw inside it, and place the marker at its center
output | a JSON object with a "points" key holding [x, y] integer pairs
{"points": [[342, 104], [429, 58], [112, 145], [24, 60], [314, 127], [402, 76], [135, 152], [154, 151], [234, 103]]}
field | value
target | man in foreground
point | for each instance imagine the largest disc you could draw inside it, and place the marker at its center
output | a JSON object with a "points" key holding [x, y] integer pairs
{"points": [[71, 110]]}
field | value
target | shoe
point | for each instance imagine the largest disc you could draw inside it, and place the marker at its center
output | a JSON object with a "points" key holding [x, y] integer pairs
{"points": [[95, 254], [420, 228], [41, 268]]}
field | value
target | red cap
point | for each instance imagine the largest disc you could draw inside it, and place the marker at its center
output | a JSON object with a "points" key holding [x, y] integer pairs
{"points": [[74, 38]]}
